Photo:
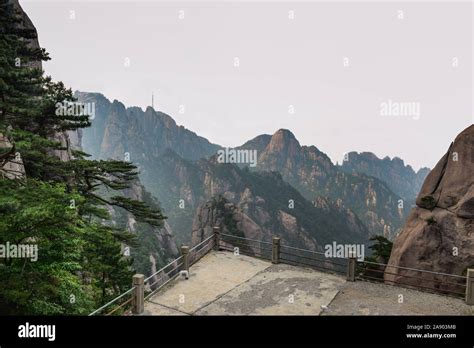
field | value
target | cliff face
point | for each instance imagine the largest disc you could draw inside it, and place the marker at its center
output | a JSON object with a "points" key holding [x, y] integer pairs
{"points": [[25, 22], [314, 175], [117, 130], [155, 246], [261, 205], [400, 178], [439, 234]]}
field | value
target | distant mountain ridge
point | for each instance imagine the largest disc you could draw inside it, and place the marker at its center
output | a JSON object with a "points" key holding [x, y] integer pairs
{"points": [[401, 178], [312, 172], [118, 130], [180, 168]]}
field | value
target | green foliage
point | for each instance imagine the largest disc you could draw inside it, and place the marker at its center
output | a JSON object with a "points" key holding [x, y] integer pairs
{"points": [[58, 206], [382, 248], [38, 213]]}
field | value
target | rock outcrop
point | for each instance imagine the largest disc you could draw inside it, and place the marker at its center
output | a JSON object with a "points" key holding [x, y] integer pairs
{"points": [[26, 23], [439, 234], [11, 164]]}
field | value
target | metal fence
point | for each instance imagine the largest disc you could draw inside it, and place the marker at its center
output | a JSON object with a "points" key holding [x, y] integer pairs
{"points": [[245, 246], [129, 301], [143, 289], [120, 302], [437, 282]]}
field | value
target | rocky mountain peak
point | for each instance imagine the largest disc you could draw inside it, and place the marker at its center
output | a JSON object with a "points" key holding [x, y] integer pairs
{"points": [[258, 143], [283, 139], [282, 148]]}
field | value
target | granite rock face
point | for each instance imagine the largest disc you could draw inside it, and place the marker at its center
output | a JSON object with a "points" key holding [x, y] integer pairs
{"points": [[25, 22], [439, 234]]}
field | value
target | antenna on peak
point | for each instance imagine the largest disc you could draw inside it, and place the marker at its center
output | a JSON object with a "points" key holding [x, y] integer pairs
{"points": [[152, 101]]}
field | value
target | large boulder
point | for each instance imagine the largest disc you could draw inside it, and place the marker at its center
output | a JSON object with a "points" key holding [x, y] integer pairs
{"points": [[439, 233]]}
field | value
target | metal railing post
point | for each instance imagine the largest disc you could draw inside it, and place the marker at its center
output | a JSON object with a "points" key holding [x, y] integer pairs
{"points": [[185, 253], [470, 287], [351, 267], [217, 237], [275, 250], [138, 298]]}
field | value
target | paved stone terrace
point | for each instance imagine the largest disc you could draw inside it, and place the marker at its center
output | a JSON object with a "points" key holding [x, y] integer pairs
{"points": [[222, 283]]}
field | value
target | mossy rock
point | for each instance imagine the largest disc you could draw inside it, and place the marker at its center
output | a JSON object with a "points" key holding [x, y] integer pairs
{"points": [[427, 202]]}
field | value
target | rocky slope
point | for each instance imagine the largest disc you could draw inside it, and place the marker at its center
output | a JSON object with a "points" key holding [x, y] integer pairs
{"points": [[439, 234], [311, 172], [258, 206], [400, 178]]}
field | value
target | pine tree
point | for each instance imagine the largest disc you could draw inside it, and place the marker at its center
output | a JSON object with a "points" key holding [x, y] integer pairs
{"points": [[60, 206]]}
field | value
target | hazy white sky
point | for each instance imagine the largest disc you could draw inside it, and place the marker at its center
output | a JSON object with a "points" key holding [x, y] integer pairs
{"points": [[332, 63]]}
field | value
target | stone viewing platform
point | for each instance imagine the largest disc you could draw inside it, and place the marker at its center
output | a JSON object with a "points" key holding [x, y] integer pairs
{"points": [[222, 283], [231, 275]]}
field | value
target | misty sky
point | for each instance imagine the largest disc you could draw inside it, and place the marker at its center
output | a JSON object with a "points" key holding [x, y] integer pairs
{"points": [[287, 61]]}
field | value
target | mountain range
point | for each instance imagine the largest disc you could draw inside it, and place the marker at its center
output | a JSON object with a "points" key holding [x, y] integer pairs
{"points": [[294, 191]]}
